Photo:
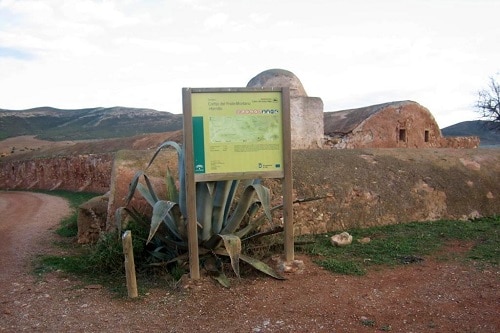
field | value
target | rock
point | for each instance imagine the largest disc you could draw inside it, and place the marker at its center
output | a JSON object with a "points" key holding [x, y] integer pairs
{"points": [[91, 219], [341, 239], [282, 266], [364, 240]]}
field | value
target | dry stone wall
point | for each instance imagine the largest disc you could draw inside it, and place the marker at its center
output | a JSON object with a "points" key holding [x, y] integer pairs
{"points": [[361, 187], [88, 173], [364, 187], [369, 187]]}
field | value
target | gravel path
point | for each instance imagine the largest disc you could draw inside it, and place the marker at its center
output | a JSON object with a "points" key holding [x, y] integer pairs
{"points": [[435, 295]]}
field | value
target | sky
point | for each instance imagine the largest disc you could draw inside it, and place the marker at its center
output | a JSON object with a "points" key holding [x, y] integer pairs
{"points": [[352, 53]]}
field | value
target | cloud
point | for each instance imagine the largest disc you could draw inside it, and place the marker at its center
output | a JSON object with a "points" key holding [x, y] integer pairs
{"points": [[6, 52], [217, 20], [350, 53]]}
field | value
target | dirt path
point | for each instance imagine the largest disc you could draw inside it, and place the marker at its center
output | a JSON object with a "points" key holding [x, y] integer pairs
{"points": [[431, 296], [26, 220]]}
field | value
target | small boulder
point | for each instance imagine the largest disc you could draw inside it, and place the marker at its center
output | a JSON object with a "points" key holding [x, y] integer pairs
{"points": [[342, 239], [364, 240], [282, 266]]}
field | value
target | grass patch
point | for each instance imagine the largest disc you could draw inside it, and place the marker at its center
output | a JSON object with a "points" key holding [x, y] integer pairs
{"points": [[389, 246], [100, 263], [403, 243]]}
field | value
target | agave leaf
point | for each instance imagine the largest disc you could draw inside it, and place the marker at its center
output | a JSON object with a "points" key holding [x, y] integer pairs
{"points": [[164, 145], [255, 263], [161, 211], [146, 194], [118, 219], [222, 279], [204, 206], [159, 255], [182, 177], [222, 192], [132, 186], [172, 192], [232, 243], [245, 203], [179, 222], [261, 266], [210, 186], [264, 195], [245, 231], [150, 188], [182, 180]]}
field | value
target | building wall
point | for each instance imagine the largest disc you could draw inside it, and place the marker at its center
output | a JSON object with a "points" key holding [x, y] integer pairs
{"points": [[400, 126], [306, 121]]}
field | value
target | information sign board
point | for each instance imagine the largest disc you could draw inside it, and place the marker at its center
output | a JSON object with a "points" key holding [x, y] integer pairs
{"points": [[237, 132]]}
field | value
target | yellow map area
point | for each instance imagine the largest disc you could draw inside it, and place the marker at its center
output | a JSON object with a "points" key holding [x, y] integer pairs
{"points": [[249, 128]]}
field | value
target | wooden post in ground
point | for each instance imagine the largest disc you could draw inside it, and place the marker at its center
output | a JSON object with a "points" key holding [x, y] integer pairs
{"points": [[128, 251]]}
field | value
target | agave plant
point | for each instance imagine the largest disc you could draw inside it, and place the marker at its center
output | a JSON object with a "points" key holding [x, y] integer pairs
{"points": [[222, 222]]}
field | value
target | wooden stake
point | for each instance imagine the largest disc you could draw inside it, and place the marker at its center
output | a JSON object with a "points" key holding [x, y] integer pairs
{"points": [[128, 251]]}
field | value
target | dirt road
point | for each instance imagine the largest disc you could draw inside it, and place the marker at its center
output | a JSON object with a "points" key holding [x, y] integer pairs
{"points": [[435, 295], [26, 220]]}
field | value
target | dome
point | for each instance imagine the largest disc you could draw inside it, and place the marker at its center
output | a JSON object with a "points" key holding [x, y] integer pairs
{"points": [[278, 78]]}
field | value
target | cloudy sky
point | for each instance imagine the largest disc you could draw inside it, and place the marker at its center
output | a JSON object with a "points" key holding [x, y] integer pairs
{"points": [[352, 53]]}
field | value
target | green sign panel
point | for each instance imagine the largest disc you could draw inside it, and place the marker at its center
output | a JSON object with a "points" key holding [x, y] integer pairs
{"points": [[237, 131]]}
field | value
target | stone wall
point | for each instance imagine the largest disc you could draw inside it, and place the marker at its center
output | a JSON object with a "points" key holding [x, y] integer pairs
{"points": [[370, 187], [362, 187], [88, 173], [460, 142], [366, 187]]}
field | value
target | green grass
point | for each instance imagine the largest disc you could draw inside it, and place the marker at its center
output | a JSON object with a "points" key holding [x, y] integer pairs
{"points": [[403, 243], [100, 263], [389, 246]]}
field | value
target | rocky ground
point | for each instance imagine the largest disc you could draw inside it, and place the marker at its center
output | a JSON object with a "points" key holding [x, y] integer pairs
{"points": [[440, 294]]}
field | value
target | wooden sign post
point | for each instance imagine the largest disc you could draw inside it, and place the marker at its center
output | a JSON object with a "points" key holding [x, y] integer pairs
{"points": [[236, 133], [128, 252]]}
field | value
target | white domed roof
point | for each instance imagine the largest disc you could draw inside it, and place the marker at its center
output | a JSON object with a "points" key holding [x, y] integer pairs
{"points": [[278, 78]]}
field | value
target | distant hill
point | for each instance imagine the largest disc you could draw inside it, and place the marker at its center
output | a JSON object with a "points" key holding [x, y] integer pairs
{"points": [[485, 130], [83, 124], [53, 124]]}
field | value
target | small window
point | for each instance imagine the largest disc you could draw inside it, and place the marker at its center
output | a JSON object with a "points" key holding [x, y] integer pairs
{"points": [[426, 136], [402, 135]]}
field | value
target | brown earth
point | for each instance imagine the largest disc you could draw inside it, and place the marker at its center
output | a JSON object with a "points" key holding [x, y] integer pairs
{"points": [[443, 293], [29, 147]]}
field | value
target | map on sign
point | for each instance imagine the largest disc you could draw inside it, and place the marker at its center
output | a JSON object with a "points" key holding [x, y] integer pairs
{"points": [[243, 129], [237, 132]]}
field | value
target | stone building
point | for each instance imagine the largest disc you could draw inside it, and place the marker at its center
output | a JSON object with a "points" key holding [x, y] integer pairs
{"points": [[306, 113], [403, 124]]}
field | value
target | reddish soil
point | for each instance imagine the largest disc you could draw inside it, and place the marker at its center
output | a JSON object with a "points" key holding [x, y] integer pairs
{"points": [[442, 293]]}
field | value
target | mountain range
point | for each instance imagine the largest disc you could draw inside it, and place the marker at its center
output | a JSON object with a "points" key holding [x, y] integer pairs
{"points": [[53, 124], [82, 124]]}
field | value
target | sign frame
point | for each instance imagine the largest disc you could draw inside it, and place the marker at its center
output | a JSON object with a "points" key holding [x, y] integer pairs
{"points": [[191, 177]]}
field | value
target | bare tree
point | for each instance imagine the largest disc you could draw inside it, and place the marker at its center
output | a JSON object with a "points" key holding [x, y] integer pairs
{"points": [[488, 103]]}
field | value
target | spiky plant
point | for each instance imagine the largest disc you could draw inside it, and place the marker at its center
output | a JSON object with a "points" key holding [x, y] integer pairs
{"points": [[222, 222]]}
